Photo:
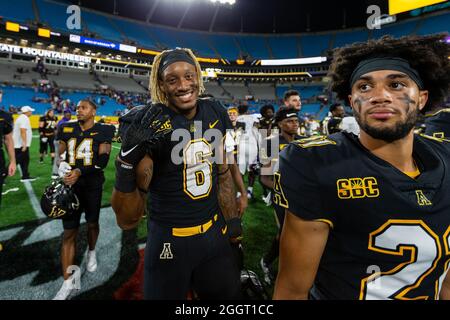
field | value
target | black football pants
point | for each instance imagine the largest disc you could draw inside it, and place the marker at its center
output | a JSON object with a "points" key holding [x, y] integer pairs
{"points": [[202, 262]]}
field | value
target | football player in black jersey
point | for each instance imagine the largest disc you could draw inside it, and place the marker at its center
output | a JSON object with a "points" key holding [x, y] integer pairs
{"points": [[332, 123], [47, 126], [189, 193], [267, 119], [437, 124], [287, 121], [368, 217], [6, 128], [87, 145]]}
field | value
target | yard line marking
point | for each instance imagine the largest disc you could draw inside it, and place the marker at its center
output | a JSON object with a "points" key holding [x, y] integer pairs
{"points": [[33, 199]]}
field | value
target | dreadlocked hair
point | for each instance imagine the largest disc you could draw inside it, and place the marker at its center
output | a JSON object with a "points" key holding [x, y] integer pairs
{"points": [[155, 90], [427, 54]]}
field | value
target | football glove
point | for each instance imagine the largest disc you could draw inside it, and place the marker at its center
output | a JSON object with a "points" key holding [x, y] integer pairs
{"points": [[234, 227], [64, 168], [44, 139], [140, 127]]}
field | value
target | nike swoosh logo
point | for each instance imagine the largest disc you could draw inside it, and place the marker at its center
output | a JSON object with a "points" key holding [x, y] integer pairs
{"points": [[124, 154], [213, 125]]}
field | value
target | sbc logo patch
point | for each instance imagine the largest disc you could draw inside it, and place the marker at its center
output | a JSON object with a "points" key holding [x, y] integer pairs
{"points": [[357, 188]]}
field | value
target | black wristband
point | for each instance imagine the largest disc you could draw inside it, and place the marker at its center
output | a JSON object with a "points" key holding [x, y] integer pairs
{"points": [[234, 227], [125, 177]]}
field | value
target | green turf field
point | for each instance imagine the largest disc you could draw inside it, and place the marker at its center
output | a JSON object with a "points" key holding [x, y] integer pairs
{"points": [[259, 223]]}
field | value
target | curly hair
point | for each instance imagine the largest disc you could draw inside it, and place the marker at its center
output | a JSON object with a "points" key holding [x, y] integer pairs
{"points": [[427, 54]]}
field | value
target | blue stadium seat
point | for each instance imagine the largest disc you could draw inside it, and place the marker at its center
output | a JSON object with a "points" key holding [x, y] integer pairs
{"points": [[312, 108], [54, 15], [168, 39], [435, 24], [136, 32], [284, 47], [198, 42], [255, 46], [100, 25], [19, 97], [17, 10], [225, 45], [344, 38], [314, 45], [396, 29]]}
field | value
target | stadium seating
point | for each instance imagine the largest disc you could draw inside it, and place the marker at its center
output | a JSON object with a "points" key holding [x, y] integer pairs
{"points": [[136, 32], [435, 24], [9, 73], [314, 45], [73, 79], [101, 25], [255, 46], [17, 10], [122, 83], [397, 30], [226, 46], [284, 47], [344, 38], [264, 91], [54, 15], [236, 89]]}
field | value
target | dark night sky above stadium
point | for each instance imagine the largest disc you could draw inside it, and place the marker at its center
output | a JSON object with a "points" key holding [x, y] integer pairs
{"points": [[250, 16]]}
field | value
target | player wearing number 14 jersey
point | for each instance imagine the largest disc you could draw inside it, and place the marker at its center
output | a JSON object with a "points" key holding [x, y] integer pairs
{"points": [[368, 216], [87, 145]]}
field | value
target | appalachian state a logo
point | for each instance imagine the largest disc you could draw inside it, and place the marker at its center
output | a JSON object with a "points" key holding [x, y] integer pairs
{"points": [[422, 200], [166, 252]]}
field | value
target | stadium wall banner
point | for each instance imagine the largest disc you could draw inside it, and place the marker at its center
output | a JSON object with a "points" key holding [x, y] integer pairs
{"points": [[102, 43], [43, 53]]}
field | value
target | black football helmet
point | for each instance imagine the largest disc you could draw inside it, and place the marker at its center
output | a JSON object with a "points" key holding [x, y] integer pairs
{"points": [[252, 288], [59, 200]]}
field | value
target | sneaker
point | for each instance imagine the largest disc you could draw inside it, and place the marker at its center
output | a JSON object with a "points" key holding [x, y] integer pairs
{"points": [[41, 161], [266, 270], [249, 195], [65, 291], [27, 179], [91, 261]]}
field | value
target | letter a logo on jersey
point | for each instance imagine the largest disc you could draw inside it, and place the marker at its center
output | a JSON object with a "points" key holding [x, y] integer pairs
{"points": [[166, 253], [422, 200]]}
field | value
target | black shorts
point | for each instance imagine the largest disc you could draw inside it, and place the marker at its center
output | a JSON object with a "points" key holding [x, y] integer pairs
{"points": [[89, 191], [50, 142], [203, 262]]}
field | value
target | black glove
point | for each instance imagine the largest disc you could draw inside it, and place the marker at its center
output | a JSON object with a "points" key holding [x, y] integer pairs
{"points": [[139, 128], [234, 226]]}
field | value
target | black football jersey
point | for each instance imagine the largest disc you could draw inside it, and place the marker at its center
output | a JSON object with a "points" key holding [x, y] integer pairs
{"points": [[6, 127], [183, 191], [268, 154], [390, 233], [82, 146], [438, 124], [265, 123], [49, 125]]}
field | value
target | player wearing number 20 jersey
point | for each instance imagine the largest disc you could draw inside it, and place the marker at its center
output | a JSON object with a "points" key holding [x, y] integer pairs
{"points": [[385, 225]]}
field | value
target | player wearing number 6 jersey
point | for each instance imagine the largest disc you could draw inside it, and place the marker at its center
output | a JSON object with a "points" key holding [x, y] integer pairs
{"points": [[87, 145], [368, 217], [189, 193]]}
